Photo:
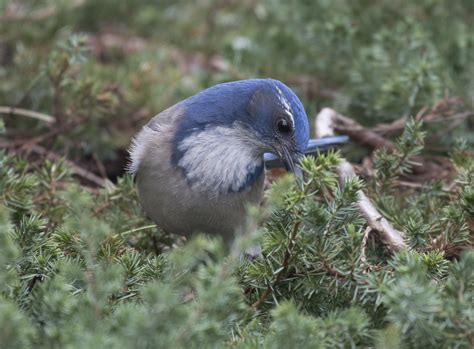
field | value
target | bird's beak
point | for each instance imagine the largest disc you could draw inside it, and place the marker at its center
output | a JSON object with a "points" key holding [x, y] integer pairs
{"points": [[291, 162]]}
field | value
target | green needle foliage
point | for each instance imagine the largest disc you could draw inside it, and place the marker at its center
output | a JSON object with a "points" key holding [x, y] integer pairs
{"points": [[76, 271]]}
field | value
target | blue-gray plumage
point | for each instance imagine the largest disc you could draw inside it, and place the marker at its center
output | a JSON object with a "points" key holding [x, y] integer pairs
{"points": [[199, 163]]}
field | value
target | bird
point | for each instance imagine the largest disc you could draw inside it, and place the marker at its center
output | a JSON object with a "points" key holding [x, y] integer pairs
{"points": [[200, 163]]}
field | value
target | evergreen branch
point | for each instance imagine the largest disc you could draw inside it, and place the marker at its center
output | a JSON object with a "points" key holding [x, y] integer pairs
{"points": [[286, 259], [284, 267]]}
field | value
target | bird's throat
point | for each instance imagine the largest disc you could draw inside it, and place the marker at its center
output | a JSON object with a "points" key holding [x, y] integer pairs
{"points": [[221, 160]]}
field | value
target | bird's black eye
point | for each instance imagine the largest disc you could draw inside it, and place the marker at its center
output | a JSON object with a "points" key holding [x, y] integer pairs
{"points": [[283, 126]]}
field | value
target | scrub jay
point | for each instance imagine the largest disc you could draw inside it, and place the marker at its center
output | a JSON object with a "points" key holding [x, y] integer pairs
{"points": [[200, 163]]}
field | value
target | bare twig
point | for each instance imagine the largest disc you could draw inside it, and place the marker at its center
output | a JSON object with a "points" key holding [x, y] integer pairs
{"points": [[363, 247], [330, 122], [27, 143], [326, 122], [100, 166], [28, 113], [151, 226], [389, 236], [57, 105], [79, 171]]}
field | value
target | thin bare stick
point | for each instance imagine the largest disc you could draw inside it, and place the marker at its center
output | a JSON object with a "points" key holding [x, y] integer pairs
{"points": [[28, 113], [325, 125], [363, 247], [151, 226], [81, 172]]}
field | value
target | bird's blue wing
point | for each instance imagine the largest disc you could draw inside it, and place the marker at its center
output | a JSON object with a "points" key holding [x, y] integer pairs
{"points": [[314, 145]]}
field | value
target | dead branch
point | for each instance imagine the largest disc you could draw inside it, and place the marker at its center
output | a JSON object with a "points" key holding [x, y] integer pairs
{"points": [[373, 140], [326, 124], [337, 123], [81, 172], [28, 113], [77, 170], [363, 247]]}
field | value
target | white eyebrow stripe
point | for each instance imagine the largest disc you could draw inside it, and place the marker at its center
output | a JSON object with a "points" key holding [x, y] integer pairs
{"points": [[285, 104]]}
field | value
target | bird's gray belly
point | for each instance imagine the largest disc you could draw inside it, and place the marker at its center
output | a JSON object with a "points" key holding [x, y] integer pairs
{"points": [[167, 198]]}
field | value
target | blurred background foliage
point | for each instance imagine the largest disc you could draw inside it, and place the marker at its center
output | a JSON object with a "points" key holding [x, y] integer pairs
{"points": [[105, 67]]}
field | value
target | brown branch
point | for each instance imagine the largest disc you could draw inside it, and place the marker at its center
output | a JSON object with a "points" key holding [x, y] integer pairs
{"points": [[102, 208], [53, 132], [77, 170], [326, 125], [281, 272], [57, 105], [368, 138], [331, 271], [399, 124], [100, 166], [358, 133], [81, 172]]}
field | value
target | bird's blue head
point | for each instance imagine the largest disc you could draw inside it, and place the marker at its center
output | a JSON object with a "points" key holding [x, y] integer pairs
{"points": [[280, 119], [226, 129]]}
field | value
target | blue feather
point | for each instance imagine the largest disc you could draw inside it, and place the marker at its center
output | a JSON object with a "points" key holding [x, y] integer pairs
{"points": [[251, 104]]}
